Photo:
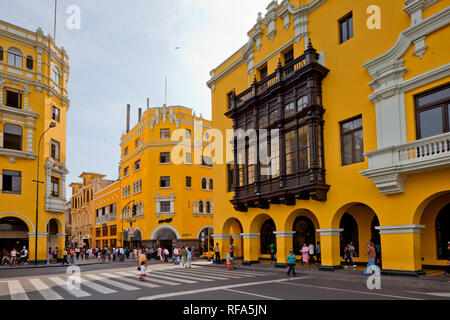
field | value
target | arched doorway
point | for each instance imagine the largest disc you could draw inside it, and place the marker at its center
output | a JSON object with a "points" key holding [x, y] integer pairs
{"points": [[304, 233], [206, 239], [13, 234], [233, 228], [350, 233], [443, 233], [52, 231], [166, 239], [267, 236]]}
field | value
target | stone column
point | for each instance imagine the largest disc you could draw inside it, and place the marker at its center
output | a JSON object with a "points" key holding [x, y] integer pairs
{"points": [[284, 244], [330, 249], [41, 250], [251, 248], [61, 244], [401, 249], [237, 243]]}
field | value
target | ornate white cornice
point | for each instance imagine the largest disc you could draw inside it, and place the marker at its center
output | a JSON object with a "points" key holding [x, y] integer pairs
{"points": [[329, 232], [284, 234], [401, 229], [221, 236], [250, 235]]}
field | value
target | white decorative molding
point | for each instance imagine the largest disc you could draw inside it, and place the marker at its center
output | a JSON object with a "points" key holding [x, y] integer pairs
{"points": [[401, 229], [390, 166], [421, 47], [284, 234], [329, 232], [250, 235], [162, 227], [221, 236], [39, 234], [13, 154], [160, 199]]}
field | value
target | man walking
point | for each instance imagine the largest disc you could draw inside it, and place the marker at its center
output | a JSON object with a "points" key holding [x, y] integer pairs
{"points": [[371, 253], [183, 256], [272, 252], [291, 263], [24, 255], [64, 260], [189, 257], [349, 253], [217, 253], [311, 253], [318, 252]]}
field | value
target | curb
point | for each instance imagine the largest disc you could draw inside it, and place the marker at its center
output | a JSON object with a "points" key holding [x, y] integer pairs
{"points": [[56, 265]]}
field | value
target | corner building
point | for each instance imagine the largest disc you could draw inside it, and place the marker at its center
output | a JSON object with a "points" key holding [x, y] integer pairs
{"points": [[33, 95], [163, 203], [364, 137]]}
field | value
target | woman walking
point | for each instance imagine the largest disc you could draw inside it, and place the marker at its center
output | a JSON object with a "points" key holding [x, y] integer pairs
{"points": [[305, 254], [13, 257]]}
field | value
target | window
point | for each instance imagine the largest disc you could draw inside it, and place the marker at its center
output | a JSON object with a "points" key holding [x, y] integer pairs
{"points": [[289, 110], [30, 63], [12, 182], [125, 151], [302, 103], [274, 116], [208, 207], [1, 54], [105, 231], [113, 231], [211, 185], [164, 134], [352, 141], [56, 76], [291, 152], [164, 182], [303, 148], [263, 72], [54, 149], [346, 27], [230, 169], [204, 183], [137, 165], [188, 157], [433, 112], [15, 58], [13, 99], [137, 187], [164, 157], [12, 137], [98, 233], [126, 171], [165, 206], [289, 56], [55, 113], [126, 192], [136, 143], [200, 207], [188, 134], [207, 161], [188, 182], [230, 99], [55, 187]]}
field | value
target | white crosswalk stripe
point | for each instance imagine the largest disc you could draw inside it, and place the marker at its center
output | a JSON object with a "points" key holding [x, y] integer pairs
{"points": [[183, 275], [111, 282], [156, 274], [44, 290], [16, 291], [97, 287], [136, 280], [191, 273], [78, 293], [228, 274]]}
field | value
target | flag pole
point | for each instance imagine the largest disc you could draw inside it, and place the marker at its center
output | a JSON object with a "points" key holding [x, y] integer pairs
{"points": [[54, 21]]}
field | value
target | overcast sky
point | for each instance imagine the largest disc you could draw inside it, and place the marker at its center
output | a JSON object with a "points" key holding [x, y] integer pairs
{"points": [[122, 54]]}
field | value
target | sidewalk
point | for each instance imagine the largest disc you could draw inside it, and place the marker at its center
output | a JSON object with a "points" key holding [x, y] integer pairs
{"points": [[435, 280]]}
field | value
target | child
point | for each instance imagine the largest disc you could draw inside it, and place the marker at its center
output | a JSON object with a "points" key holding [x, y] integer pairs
{"points": [[143, 272]]}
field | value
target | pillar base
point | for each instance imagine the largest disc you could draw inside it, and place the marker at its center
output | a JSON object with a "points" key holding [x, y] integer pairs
{"points": [[249, 263], [329, 268], [403, 273], [280, 265]]}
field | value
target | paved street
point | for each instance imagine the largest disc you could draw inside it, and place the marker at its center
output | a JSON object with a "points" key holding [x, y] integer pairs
{"points": [[209, 282]]}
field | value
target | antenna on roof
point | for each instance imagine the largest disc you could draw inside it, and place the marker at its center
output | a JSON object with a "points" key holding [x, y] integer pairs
{"points": [[54, 21], [165, 94]]}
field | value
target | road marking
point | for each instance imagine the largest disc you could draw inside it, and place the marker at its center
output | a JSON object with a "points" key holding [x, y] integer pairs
{"points": [[228, 274], [150, 278], [129, 280], [16, 291], [437, 294], [242, 272], [44, 290], [185, 273], [183, 293], [97, 287], [252, 294], [353, 291], [207, 274], [157, 275], [73, 291], [111, 282]]}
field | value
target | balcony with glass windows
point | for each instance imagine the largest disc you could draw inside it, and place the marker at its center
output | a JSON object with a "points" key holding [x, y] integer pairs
{"points": [[288, 103], [106, 218]]}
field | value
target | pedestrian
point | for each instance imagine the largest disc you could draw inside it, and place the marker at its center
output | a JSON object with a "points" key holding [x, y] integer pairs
{"points": [[291, 263], [64, 260], [72, 256], [49, 255], [189, 257], [24, 255], [349, 253], [166, 255], [77, 252], [305, 253], [159, 254], [319, 260], [13, 257], [6, 259], [371, 265], [272, 249], [183, 257], [217, 253], [232, 250], [142, 258], [143, 271], [176, 258], [311, 253], [55, 255], [104, 254], [229, 259]]}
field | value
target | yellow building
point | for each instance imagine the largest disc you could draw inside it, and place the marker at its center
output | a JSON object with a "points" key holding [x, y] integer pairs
{"points": [[82, 208], [33, 98], [164, 203], [105, 205], [364, 142]]}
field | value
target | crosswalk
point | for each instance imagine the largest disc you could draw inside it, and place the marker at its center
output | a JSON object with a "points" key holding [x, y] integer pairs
{"points": [[107, 282]]}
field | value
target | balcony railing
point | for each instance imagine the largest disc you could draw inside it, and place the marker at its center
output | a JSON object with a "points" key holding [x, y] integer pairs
{"points": [[106, 218], [389, 167]]}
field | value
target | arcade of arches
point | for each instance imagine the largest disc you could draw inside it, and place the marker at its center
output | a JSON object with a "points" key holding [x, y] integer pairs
{"points": [[403, 248]]}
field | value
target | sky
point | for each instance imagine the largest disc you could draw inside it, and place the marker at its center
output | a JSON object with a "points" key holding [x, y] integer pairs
{"points": [[122, 53]]}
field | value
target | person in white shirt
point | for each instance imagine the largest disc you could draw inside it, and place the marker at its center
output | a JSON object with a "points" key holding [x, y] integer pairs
{"points": [[311, 253], [143, 271]]}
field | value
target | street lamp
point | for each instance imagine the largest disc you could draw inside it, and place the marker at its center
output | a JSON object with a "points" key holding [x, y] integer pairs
{"points": [[52, 125]]}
